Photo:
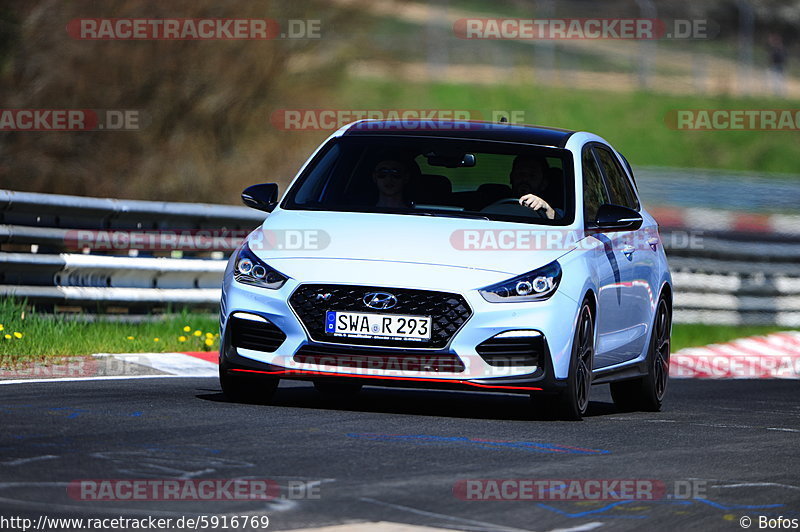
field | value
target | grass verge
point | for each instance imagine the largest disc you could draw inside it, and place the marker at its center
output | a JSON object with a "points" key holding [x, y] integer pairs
{"points": [[28, 336]]}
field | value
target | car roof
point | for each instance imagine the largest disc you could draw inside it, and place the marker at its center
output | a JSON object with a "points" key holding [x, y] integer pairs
{"points": [[462, 129]]}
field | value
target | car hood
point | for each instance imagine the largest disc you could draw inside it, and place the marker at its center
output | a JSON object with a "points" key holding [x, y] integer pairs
{"points": [[507, 248]]}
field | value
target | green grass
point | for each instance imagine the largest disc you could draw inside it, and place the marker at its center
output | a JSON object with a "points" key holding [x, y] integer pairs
{"points": [[51, 337], [45, 336], [695, 335], [633, 122]]}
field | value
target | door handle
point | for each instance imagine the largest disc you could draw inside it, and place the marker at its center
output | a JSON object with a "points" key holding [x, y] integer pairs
{"points": [[653, 243], [628, 250]]}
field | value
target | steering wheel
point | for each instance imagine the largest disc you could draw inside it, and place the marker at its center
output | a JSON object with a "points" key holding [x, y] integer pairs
{"points": [[505, 206]]}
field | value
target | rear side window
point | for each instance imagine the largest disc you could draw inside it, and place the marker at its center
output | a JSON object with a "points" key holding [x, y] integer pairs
{"points": [[619, 187], [630, 171], [594, 191]]}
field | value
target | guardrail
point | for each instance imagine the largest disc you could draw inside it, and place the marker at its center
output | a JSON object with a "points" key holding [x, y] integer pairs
{"points": [[30, 209], [726, 277], [44, 260]]}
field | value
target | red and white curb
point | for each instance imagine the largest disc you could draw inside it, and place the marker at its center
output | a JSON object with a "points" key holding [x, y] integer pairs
{"points": [[194, 364], [775, 356], [104, 366]]}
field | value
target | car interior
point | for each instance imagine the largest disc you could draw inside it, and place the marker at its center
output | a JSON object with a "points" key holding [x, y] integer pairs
{"points": [[437, 189]]}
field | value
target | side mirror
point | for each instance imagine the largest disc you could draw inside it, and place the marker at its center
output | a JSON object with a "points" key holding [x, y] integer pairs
{"points": [[263, 197], [617, 218]]}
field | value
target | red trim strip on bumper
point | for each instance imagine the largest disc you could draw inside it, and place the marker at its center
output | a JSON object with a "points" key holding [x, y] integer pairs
{"points": [[332, 374]]}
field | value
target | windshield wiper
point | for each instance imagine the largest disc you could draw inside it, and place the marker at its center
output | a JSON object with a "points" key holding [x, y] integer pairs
{"points": [[454, 214], [458, 214]]}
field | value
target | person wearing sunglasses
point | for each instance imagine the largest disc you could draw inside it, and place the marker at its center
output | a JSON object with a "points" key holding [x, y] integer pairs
{"points": [[391, 177]]}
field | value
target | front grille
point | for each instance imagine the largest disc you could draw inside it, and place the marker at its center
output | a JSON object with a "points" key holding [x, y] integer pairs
{"points": [[393, 360], [448, 311], [513, 351], [257, 335]]}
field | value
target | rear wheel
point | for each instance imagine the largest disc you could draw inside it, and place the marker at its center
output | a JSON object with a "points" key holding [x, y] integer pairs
{"points": [[246, 388], [572, 402], [647, 393]]}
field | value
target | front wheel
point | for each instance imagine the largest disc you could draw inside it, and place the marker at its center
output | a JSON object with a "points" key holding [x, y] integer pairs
{"points": [[246, 388], [571, 403], [647, 393]]}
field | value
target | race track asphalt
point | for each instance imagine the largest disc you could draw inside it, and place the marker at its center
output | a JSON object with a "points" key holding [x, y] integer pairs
{"points": [[718, 451]]}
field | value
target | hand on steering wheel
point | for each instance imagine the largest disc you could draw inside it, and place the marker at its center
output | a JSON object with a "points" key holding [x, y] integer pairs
{"points": [[517, 202], [536, 203]]}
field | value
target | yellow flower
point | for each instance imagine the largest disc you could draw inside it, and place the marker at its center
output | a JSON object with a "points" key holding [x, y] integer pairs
{"points": [[181, 338], [7, 337], [209, 335], [18, 335], [187, 329], [131, 338], [198, 332], [156, 339], [209, 342], [1, 327]]}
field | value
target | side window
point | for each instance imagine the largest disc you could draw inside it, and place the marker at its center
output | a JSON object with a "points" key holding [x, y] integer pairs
{"points": [[618, 184], [594, 191], [630, 171]]}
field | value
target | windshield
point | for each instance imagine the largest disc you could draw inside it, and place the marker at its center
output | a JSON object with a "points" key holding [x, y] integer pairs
{"points": [[439, 177]]}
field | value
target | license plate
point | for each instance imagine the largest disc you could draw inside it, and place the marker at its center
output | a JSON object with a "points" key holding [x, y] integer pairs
{"points": [[386, 326]]}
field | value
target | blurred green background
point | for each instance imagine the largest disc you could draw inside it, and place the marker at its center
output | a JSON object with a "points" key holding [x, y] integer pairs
{"points": [[206, 105]]}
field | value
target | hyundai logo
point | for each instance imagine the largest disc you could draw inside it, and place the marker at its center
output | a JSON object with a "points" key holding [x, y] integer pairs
{"points": [[380, 300]]}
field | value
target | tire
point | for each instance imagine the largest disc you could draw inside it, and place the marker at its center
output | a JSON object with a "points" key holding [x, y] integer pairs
{"points": [[647, 393], [247, 388], [338, 389], [571, 403]]}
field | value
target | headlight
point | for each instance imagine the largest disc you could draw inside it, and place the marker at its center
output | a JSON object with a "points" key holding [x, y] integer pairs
{"points": [[249, 269], [537, 285]]}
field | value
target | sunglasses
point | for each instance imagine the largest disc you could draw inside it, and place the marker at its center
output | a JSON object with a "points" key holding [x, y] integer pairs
{"points": [[389, 172]]}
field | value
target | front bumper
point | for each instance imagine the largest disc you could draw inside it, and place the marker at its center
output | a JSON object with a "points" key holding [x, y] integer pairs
{"points": [[456, 365]]}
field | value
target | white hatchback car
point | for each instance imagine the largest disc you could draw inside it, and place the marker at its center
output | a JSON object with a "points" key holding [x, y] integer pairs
{"points": [[464, 255]]}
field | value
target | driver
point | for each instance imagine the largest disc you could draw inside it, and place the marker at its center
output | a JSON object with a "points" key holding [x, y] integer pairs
{"points": [[391, 177], [528, 183]]}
